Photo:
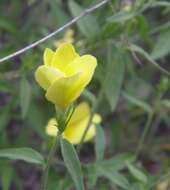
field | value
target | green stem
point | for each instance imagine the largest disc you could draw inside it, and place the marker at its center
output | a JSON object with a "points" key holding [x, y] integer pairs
{"points": [[143, 136], [85, 131], [94, 109], [48, 163]]}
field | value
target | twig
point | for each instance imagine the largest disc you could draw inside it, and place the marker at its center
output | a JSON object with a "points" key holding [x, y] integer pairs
{"points": [[74, 20]]}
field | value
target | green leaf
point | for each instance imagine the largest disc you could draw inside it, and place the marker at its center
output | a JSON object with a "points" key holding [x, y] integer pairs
{"points": [[25, 96], [139, 175], [161, 3], [87, 25], [99, 143], [91, 175], [115, 75], [25, 154], [139, 50], [116, 178], [162, 46], [138, 102], [166, 103], [120, 17], [109, 167], [116, 163], [72, 163]]}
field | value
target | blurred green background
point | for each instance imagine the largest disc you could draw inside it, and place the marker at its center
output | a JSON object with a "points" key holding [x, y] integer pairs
{"points": [[131, 40]]}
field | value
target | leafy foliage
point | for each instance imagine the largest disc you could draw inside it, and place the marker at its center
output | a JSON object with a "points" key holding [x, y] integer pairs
{"points": [[131, 41]]}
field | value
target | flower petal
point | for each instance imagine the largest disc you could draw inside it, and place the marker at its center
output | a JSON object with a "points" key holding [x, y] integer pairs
{"points": [[74, 133], [78, 124], [64, 90], [85, 64], [96, 119], [48, 56], [51, 128], [90, 133], [45, 76], [67, 89], [63, 56], [81, 112]]}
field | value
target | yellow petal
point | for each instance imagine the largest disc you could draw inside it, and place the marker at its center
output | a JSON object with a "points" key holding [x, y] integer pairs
{"points": [[48, 56], [64, 91], [63, 56], [85, 64], [74, 133], [70, 88], [78, 124], [81, 112], [45, 76], [67, 89], [91, 133], [96, 119], [51, 128]]}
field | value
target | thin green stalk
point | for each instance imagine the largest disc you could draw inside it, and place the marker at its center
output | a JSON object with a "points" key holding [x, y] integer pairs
{"points": [[90, 119], [143, 136], [48, 163], [155, 127], [63, 120], [70, 116]]}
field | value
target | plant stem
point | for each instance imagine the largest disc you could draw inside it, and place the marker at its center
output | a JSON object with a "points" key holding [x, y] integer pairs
{"points": [[48, 163], [145, 131], [94, 109]]}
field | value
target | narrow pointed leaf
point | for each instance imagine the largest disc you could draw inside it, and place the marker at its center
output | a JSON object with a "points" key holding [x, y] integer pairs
{"points": [[72, 163], [116, 178], [121, 17], [25, 96], [142, 52], [99, 143], [138, 174], [115, 74], [25, 154], [137, 102]]}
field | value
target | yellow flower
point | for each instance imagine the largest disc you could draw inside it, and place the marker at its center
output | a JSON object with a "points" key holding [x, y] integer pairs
{"points": [[67, 38], [77, 125], [65, 74]]}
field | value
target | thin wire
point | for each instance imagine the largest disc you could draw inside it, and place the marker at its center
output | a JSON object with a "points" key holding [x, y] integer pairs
{"points": [[74, 20]]}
